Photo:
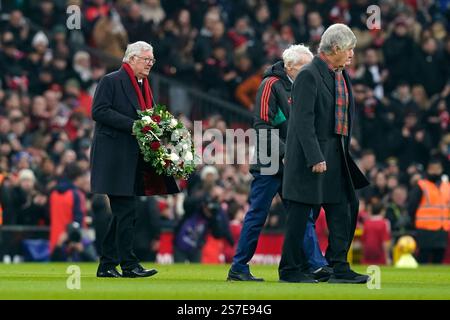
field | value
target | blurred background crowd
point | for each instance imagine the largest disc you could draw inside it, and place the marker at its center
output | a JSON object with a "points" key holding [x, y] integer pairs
{"points": [[49, 73]]}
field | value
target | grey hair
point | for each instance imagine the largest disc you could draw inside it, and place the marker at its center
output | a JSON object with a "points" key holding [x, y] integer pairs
{"points": [[337, 35], [294, 54], [134, 49]]}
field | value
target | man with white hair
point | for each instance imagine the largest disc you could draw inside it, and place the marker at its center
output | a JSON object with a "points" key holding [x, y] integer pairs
{"points": [[319, 170], [117, 166], [271, 112]]}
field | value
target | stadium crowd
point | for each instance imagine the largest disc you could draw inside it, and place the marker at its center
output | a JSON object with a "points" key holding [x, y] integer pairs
{"points": [[400, 74]]}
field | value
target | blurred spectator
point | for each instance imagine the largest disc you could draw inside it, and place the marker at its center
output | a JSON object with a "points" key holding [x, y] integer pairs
{"points": [[298, 22], [376, 237], [202, 215], [429, 67], [412, 141], [213, 35], [83, 69], [219, 73], [46, 14], [316, 28], [137, 28], [398, 50], [110, 36], [152, 11], [67, 204], [397, 212], [24, 204], [246, 91], [261, 21], [372, 73]]}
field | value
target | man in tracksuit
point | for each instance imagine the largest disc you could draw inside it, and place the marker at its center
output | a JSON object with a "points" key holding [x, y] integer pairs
{"points": [[273, 102]]}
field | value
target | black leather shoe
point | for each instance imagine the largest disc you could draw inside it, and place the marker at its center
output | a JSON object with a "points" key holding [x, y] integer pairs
{"points": [[108, 272], [300, 278], [322, 274], [138, 272], [241, 276], [349, 277]]}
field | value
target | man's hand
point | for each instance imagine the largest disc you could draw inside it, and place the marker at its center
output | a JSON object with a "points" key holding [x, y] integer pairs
{"points": [[320, 167]]}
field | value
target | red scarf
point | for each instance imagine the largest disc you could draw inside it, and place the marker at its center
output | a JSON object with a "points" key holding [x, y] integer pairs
{"points": [[148, 102]]}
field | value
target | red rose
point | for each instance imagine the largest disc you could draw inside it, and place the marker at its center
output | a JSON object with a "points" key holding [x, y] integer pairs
{"points": [[146, 129], [157, 119], [167, 163], [155, 145]]}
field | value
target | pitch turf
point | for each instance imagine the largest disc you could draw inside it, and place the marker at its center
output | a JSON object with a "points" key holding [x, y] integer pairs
{"points": [[48, 281]]}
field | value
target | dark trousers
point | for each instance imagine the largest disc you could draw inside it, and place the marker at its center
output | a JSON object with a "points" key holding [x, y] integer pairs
{"points": [[117, 246], [293, 261], [263, 190]]}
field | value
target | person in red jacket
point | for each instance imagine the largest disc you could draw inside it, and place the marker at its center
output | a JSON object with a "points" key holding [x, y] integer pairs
{"points": [[376, 238], [67, 204]]}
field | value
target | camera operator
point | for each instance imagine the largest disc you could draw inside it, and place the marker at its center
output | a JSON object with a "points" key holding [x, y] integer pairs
{"points": [[73, 246], [203, 214]]}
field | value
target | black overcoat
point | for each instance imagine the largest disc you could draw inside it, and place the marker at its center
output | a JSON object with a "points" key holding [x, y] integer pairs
{"points": [[117, 167], [311, 139]]}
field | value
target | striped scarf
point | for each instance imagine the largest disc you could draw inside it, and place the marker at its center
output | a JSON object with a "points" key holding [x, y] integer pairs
{"points": [[341, 100]]}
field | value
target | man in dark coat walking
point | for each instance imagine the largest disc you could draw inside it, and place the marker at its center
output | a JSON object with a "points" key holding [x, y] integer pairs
{"points": [[319, 170], [271, 113], [117, 166]]}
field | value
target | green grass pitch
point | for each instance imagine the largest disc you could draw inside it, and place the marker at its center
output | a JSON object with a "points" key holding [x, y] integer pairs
{"points": [[205, 282]]}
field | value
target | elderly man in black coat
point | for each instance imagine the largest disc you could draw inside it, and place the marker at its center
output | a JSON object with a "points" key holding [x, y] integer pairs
{"points": [[117, 166], [319, 170]]}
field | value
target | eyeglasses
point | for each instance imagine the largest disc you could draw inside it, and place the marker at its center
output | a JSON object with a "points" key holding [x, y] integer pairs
{"points": [[148, 60]]}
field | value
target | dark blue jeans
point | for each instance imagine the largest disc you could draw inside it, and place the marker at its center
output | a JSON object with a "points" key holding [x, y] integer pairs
{"points": [[263, 190]]}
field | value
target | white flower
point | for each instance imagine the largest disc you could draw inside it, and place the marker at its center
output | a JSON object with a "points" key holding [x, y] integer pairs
{"points": [[174, 157], [189, 156], [175, 135], [147, 119], [173, 123]]}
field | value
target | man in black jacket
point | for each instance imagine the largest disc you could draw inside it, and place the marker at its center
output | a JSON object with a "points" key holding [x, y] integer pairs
{"points": [[272, 108], [319, 170], [117, 166]]}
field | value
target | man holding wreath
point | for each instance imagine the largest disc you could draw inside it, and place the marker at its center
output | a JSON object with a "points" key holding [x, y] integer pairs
{"points": [[117, 166]]}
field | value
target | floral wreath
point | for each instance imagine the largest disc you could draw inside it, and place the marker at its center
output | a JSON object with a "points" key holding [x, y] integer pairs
{"points": [[165, 142]]}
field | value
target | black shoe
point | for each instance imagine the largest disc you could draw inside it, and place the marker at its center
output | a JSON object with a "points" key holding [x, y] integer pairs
{"points": [[349, 277], [322, 274], [300, 278], [241, 276], [108, 272], [138, 272]]}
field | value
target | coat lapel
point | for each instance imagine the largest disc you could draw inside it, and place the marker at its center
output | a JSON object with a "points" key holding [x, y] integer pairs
{"points": [[128, 88], [325, 73]]}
